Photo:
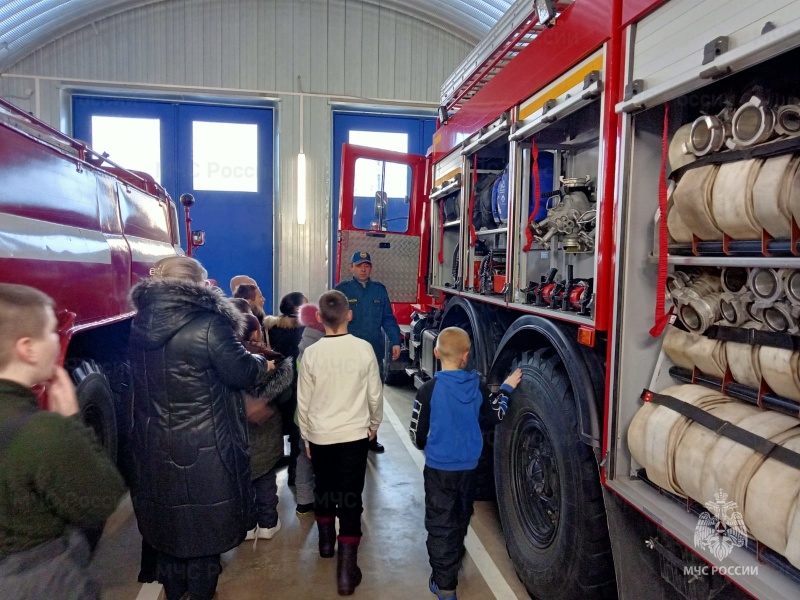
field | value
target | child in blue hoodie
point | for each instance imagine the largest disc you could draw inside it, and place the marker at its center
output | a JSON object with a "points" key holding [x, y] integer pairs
{"points": [[446, 423]]}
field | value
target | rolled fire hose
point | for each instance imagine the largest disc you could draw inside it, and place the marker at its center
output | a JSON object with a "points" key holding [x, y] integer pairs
{"points": [[692, 198], [733, 279], [678, 230], [679, 153], [732, 199], [793, 186], [779, 369], [752, 123], [706, 135], [766, 285], [676, 346], [792, 552], [748, 471], [791, 287], [771, 197], [743, 360], [733, 307], [708, 356], [771, 504], [725, 460], [651, 439], [787, 120], [697, 442], [781, 317]]}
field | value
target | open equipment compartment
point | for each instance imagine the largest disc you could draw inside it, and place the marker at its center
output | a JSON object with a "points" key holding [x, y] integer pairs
{"points": [[730, 144]]}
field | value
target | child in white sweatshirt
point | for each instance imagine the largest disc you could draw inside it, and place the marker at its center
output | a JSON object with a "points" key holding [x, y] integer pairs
{"points": [[339, 409]]}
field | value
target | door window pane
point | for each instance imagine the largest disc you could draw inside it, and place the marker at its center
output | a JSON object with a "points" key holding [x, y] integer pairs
{"points": [[394, 142], [225, 156], [381, 198], [130, 142]]}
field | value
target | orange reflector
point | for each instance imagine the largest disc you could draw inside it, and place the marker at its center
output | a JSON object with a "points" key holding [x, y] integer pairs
{"points": [[586, 336]]}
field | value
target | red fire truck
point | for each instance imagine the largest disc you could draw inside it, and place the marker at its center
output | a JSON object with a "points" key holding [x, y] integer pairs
{"points": [[83, 230], [596, 163]]}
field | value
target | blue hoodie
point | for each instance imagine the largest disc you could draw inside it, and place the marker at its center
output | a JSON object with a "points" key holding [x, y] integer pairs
{"points": [[455, 441]]}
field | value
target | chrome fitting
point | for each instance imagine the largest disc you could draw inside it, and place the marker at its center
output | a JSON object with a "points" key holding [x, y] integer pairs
{"points": [[766, 285], [753, 123], [733, 308], [706, 136], [791, 286], [700, 313], [733, 279], [782, 317], [787, 120]]}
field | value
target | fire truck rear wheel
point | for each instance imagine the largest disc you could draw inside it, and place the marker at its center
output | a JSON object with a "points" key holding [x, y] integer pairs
{"points": [[96, 402], [548, 489]]}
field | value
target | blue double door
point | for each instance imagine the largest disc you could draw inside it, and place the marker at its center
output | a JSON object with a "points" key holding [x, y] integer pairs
{"points": [[221, 155]]}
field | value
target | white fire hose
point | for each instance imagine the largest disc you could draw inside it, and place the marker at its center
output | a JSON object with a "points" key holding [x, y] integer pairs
{"points": [[771, 195], [732, 199], [692, 198]]}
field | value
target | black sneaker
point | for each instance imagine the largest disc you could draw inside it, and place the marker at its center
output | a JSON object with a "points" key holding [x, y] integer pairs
{"points": [[304, 509]]}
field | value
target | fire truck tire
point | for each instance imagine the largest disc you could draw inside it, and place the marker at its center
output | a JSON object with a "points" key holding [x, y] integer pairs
{"points": [[548, 489], [96, 402]]}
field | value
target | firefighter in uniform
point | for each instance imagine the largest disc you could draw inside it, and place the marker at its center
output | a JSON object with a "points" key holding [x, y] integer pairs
{"points": [[372, 314]]}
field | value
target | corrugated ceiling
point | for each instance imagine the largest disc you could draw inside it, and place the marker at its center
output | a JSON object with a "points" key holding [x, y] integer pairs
{"points": [[26, 25]]}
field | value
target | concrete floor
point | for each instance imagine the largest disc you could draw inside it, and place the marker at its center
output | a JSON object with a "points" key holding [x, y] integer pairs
{"points": [[392, 555]]}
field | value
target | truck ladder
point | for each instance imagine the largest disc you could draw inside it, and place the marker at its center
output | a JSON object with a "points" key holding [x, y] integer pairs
{"points": [[507, 38]]}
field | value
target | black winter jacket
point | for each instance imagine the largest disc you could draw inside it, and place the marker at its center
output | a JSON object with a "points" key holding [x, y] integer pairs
{"points": [[191, 488]]}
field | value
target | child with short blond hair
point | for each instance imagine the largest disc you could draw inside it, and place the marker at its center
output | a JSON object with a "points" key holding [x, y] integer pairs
{"points": [[446, 423]]}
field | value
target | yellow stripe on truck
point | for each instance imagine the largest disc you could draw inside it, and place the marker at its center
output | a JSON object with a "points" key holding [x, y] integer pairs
{"points": [[447, 177], [559, 88]]}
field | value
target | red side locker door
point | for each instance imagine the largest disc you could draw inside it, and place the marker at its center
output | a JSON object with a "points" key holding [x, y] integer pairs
{"points": [[383, 211]]}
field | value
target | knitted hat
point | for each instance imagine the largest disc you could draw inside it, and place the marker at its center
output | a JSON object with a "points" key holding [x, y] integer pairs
{"points": [[308, 317]]}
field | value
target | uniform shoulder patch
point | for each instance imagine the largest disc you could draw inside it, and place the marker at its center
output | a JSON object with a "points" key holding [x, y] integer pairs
{"points": [[352, 300]]}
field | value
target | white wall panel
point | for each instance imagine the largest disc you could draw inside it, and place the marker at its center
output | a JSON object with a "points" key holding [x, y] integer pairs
{"points": [[339, 48], [370, 51], [686, 26], [387, 43]]}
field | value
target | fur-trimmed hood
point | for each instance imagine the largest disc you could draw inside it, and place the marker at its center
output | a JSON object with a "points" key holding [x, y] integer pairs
{"points": [[165, 306], [282, 321], [271, 383]]}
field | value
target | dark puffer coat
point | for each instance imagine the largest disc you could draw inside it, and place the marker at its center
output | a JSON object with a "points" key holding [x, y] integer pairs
{"points": [[191, 488]]}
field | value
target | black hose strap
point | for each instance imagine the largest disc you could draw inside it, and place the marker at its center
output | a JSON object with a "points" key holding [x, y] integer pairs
{"points": [[726, 429]]}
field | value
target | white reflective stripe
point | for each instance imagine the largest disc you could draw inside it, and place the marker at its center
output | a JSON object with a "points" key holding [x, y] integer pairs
{"points": [[150, 591], [32, 239], [148, 251]]}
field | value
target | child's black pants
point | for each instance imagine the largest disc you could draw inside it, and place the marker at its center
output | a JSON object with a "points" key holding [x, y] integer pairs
{"points": [[339, 471], [448, 507]]}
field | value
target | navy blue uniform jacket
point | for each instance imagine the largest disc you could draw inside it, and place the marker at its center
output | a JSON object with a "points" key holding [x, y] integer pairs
{"points": [[372, 314]]}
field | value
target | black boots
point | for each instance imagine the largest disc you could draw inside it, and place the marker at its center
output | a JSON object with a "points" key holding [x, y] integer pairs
{"points": [[348, 575], [327, 536]]}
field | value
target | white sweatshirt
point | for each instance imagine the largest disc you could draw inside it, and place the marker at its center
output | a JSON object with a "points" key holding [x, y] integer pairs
{"points": [[339, 391]]}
